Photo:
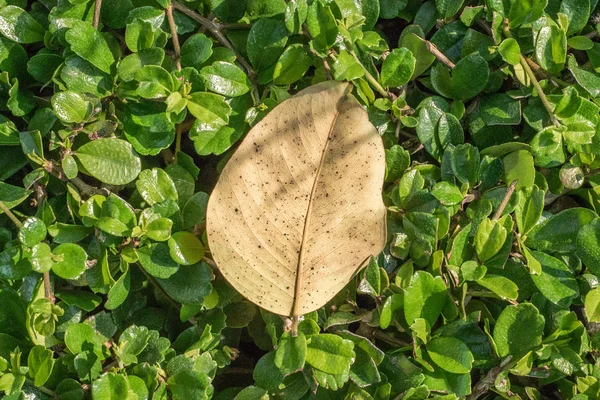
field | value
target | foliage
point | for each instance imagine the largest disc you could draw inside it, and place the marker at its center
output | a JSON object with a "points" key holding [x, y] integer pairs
{"points": [[118, 116]]}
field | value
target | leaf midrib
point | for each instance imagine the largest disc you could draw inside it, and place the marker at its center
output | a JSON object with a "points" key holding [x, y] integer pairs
{"points": [[294, 314]]}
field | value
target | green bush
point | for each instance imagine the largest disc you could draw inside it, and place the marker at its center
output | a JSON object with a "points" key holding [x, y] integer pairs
{"points": [[118, 116]]}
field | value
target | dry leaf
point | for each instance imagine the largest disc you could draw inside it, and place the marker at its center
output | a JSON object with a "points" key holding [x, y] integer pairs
{"points": [[298, 208]]}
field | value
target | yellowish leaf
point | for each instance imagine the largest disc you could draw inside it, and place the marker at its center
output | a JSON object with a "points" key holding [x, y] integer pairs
{"points": [[297, 211]]}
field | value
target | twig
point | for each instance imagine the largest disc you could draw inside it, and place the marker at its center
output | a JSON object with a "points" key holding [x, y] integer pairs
{"points": [[215, 30], [174, 36], [372, 79], [97, 10], [10, 215], [389, 339], [484, 385], [86, 190], [48, 288], [532, 77], [539, 70], [432, 48], [505, 200]]}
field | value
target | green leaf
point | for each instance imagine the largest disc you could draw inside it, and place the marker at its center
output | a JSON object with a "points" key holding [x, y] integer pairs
{"points": [[397, 160], [424, 298], [110, 386], [11, 195], [292, 64], [119, 291], [518, 166], [147, 127], [501, 286], [529, 208], [225, 78], [41, 258], [129, 65], [90, 45], [70, 107], [32, 232], [345, 67], [185, 248], [588, 245], [17, 25], [210, 109], [525, 11], [154, 82], [329, 353], [450, 354], [510, 51], [518, 330], [81, 76], [79, 337], [592, 305], [559, 232], [156, 186], [588, 80], [132, 342], [556, 282], [577, 12], [69, 260], [291, 353], [398, 67], [157, 261], [109, 160], [469, 77], [190, 284], [266, 41], [490, 237], [40, 363], [446, 193], [551, 48], [196, 50], [448, 8], [321, 26]]}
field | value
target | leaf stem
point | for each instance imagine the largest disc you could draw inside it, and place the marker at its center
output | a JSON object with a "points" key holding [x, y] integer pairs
{"points": [[174, 36], [432, 48], [505, 200], [215, 30], [48, 293], [97, 9], [371, 78], [42, 389], [10, 215], [484, 385], [532, 77]]}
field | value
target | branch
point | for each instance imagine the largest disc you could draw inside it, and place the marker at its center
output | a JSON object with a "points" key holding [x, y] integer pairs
{"points": [[86, 190], [10, 215], [97, 10], [48, 288], [174, 37], [372, 79], [484, 385], [215, 30], [532, 77], [432, 48], [505, 200]]}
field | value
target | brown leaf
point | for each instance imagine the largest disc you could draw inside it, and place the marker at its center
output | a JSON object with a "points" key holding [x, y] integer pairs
{"points": [[298, 208]]}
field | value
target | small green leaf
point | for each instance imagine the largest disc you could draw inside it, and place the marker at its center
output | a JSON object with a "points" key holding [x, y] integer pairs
{"points": [[69, 260], [489, 239], [110, 386], [330, 353], [424, 298], [225, 78], [592, 305], [185, 248], [70, 107], [518, 330], [196, 50], [32, 232], [266, 41], [156, 186], [398, 67], [292, 64], [90, 45], [559, 232], [109, 160], [450, 354], [157, 261], [16, 24], [510, 51], [291, 353]]}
